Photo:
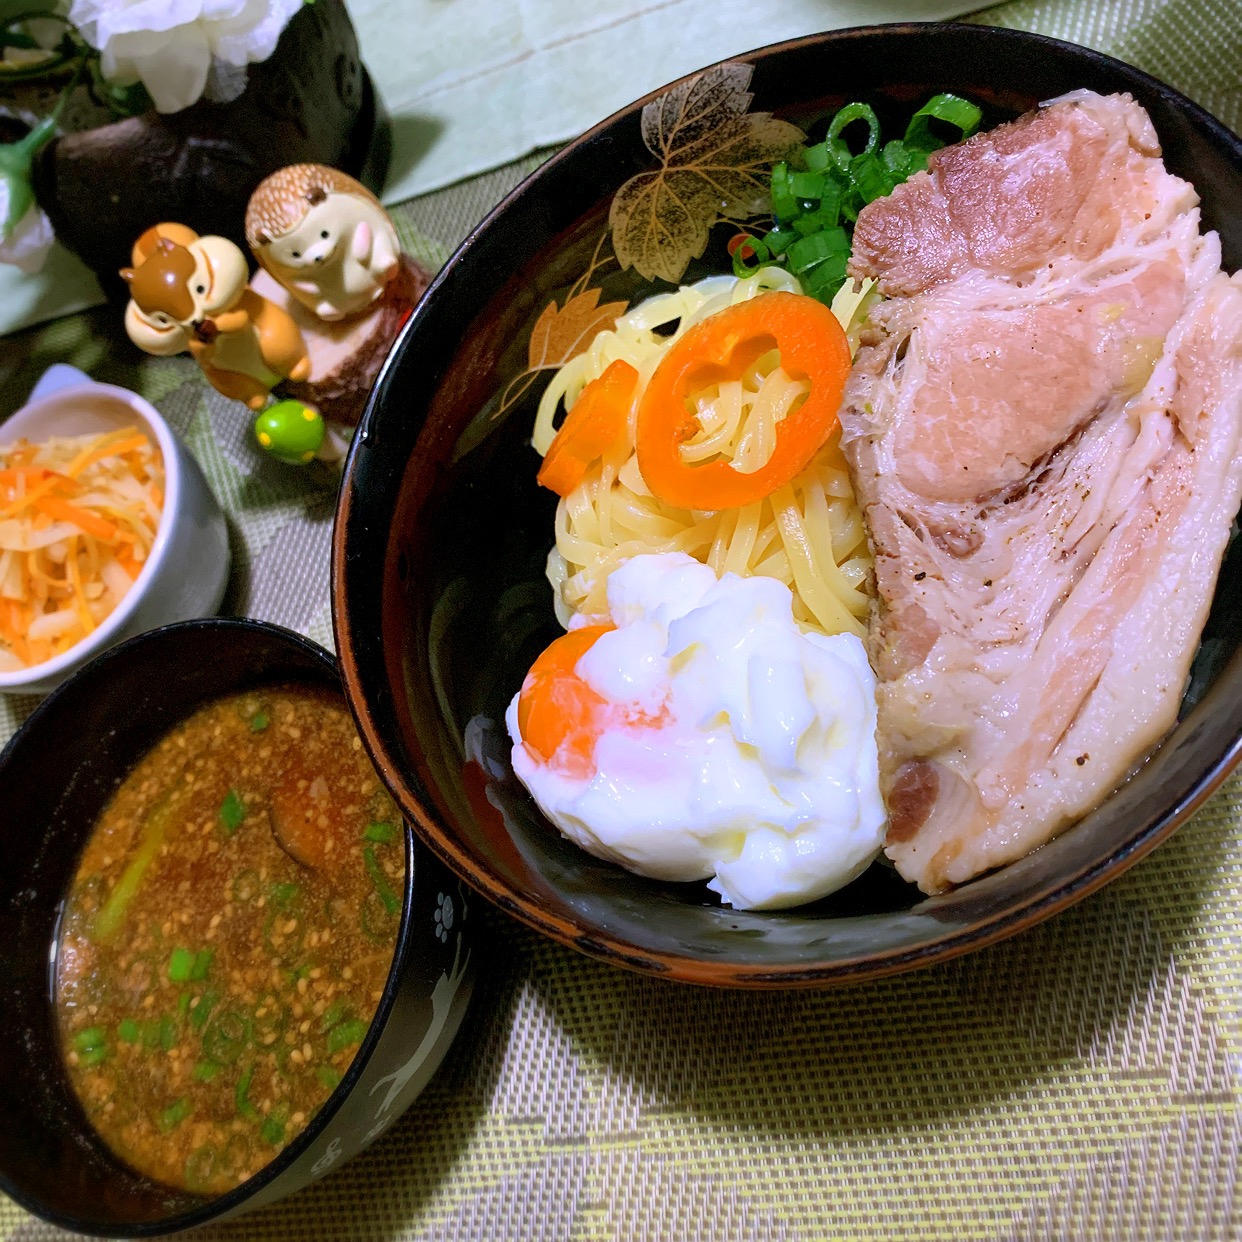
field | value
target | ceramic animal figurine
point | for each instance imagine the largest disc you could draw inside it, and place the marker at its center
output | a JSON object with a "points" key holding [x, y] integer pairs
{"points": [[192, 292], [324, 237]]}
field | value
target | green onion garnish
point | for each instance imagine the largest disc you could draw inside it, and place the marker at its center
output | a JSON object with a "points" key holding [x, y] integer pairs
{"points": [[205, 1071], [202, 964], [377, 831], [232, 811], [828, 184], [226, 1037], [175, 1114], [202, 1011], [180, 965], [241, 1096], [283, 894], [952, 110], [351, 1032], [332, 1015], [328, 1076], [128, 1031], [392, 903], [259, 721], [90, 1038]]}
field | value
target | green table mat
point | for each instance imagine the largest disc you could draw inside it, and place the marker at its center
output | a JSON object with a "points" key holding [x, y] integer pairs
{"points": [[1078, 1082]]}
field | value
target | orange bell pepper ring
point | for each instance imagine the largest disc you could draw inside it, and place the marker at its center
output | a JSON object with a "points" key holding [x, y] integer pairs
{"points": [[559, 715], [596, 422], [812, 344]]}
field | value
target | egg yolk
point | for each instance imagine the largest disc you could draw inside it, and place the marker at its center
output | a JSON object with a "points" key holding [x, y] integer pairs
{"points": [[559, 716]]}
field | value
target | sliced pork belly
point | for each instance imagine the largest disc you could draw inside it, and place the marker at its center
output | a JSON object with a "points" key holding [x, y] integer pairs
{"points": [[1044, 425]]}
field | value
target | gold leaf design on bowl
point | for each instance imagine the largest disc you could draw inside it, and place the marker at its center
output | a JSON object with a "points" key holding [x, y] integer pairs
{"points": [[715, 157]]}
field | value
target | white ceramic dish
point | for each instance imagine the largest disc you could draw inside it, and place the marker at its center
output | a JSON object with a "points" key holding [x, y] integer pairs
{"points": [[187, 570]]}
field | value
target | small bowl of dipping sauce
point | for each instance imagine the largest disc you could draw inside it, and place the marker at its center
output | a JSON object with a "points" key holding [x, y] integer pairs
{"points": [[107, 528], [254, 967]]}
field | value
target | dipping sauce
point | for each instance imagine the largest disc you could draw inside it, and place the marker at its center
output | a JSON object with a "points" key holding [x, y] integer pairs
{"points": [[227, 936]]}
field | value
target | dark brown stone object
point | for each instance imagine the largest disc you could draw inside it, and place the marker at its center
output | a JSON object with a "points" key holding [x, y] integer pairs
{"points": [[311, 101]]}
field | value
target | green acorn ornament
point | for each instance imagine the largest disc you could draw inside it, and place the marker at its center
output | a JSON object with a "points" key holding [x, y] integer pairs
{"points": [[291, 432]]}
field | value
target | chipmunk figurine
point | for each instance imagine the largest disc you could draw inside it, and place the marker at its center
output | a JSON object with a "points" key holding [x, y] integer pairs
{"points": [[324, 237], [192, 292]]}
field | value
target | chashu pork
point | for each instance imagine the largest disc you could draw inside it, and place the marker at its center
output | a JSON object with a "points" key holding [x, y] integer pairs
{"points": [[1044, 427]]}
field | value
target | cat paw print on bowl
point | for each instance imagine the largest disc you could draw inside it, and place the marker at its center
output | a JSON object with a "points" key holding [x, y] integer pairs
{"points": [[186, 569]]}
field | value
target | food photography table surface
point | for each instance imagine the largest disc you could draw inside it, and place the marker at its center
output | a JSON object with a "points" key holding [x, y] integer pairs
{"points": [[1080, 1080]]}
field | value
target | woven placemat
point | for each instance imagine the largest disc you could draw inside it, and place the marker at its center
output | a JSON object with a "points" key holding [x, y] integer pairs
{"points": [[1078, 1082]]}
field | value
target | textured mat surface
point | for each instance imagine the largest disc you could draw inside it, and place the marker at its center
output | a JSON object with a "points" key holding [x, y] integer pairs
{"points": [[1079, 1082]]}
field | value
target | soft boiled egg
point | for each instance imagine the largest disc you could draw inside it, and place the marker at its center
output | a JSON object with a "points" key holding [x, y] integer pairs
{"points": [[697, 733]]}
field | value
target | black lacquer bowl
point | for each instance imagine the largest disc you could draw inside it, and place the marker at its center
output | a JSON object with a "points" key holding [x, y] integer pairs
{"points": [[441, 603], [55, 777]]}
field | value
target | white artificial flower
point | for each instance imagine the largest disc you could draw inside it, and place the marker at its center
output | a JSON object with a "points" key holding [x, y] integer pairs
{"points": [[169, 45], [31, 238]]}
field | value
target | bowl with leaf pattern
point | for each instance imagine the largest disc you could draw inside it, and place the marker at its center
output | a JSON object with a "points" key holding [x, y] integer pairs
{"points": [[440, 596]]}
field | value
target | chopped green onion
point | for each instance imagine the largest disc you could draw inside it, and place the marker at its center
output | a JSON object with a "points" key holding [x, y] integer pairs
{"points": [[205, 1071], [392, 903], [180, 964], [202, 1011], [952, 110], [784, 202], [241, 1095], [826, 278], [201, 1167], [272, 1131], [328, 1076], [226, 1037], [758, 251], [381, 832], [155, 826], [818, 158], [778, 238], [90, 1038], [808, 251], [837, 148], [128, 1031], [168, 1033], [807, 185], [202, 964], [332, 1015], [93, 1056], [351, 1032], [283, 895], [259, 721], [175, 1114], [232, 811], [871, 178], [183, 1004]]}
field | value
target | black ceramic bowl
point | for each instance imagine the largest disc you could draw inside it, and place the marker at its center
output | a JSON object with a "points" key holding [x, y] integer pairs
{"points": [[440, 598], [56, 776]]}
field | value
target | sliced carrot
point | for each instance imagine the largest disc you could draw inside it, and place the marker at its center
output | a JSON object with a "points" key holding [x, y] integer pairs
{"points": [[86, 521], [595, 422], [811, 343], [129, 445]]}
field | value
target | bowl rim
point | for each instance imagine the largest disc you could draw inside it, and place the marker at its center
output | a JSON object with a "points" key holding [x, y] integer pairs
{"points": [[686, 968], [103, 635], [217, 1207]]}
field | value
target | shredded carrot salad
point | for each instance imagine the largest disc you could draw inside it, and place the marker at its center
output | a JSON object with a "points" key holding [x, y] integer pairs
{"points": [[78, 516]]}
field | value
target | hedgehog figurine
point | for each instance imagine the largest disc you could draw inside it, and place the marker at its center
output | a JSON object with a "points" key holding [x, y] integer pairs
{"points": [[324, 237], [329, 256]]}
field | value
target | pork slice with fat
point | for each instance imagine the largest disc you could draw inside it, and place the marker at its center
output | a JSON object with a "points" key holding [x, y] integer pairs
{"points": [[1045, 431]]}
